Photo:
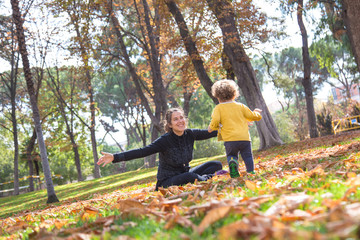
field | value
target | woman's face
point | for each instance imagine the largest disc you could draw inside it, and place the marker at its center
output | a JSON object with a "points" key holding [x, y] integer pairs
{"points": [[178, 123]]}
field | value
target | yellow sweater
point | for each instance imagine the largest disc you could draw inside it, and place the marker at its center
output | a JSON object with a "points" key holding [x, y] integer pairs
{"points": [[231, 120]]}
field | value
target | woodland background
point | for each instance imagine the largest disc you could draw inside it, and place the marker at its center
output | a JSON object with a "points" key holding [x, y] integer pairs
{"points": [[80, 66]]}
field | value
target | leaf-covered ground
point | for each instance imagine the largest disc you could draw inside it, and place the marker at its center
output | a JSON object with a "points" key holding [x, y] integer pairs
{"points": [[302, 190]]}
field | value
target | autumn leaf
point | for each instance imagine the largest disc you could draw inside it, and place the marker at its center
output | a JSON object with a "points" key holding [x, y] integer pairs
{"points": [[318, 171], [348, 192], [128, 204], [80, 236], [19, 225], [296, 215], [178, 219], [355, 181], [230, 231], [91, 210], [353, 210], [213, 216], [60, 223], [251, 185], [288, 203]]}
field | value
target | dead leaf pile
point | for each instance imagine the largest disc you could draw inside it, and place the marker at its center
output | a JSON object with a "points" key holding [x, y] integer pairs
{"points": [[266, 205]]}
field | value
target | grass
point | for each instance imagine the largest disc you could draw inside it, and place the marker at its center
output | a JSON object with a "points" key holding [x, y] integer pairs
{"points": [[307, 189], [75, 191]]}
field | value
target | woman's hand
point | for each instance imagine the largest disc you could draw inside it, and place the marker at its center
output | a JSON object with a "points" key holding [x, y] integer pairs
{"points": [[209, 129], [105, 158]]}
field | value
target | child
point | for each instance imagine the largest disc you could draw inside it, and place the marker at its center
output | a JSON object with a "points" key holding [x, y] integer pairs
{"points": [[231, 120]]}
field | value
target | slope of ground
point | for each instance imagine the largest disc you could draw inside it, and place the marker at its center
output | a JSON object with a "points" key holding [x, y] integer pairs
{"points": [[307, 189]]}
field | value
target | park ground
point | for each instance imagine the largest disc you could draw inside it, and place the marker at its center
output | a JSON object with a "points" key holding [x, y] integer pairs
{"points": [[302, 190]]}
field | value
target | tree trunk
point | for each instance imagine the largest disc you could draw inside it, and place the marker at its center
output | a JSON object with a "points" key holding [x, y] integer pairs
{"points": [[191, 48], [159, 89], [12, 89], [227, 66], [16, 143], [158, 86], [187, 97], [244, 72], [29, 150], [76, 157], [97, 173], [68, 123], [351, 15], [306, 81], [300, 114], [151, 160], [85, 60], [36, 115]]}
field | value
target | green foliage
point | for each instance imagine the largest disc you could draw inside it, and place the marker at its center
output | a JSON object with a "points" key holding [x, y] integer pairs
{"points": [[327, 51], [337, 59], [61, 160], [285, 126], [7, 162], [208, 148], [200, 110]]}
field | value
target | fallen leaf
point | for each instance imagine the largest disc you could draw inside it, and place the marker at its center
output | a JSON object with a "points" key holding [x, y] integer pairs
{"points": [[212, 216], [60, 223], [348, 192], [178, 219], [288, 203], [127, 204], [91, 210], [351, 175], [353, 210], [251, 185]]}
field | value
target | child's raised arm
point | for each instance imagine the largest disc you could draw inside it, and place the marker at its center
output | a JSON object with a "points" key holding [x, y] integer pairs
{"points": [[258, 110]]}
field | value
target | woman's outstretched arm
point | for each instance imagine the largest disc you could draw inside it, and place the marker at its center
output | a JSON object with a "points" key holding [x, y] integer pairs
{"points": [[106, 158]]}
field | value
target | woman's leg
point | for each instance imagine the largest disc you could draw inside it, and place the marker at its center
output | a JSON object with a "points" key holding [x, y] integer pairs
{"points": [[182, 179], [202, 173], [207, 168]]}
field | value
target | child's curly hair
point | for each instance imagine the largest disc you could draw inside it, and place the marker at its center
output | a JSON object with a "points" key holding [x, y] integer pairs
{"points": [[225, 90]]}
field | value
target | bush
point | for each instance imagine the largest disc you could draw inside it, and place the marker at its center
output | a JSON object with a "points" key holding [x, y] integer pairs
{"points": [[324, 125], [354, 108], [285, 126]]}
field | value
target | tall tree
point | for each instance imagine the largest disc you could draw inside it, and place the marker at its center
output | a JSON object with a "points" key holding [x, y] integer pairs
{"points": [[351, 15], [10, 81], [306, 81], [80, 15], [30, 86], [62, 90], [191, 48], [152, 47], [245, 75]]}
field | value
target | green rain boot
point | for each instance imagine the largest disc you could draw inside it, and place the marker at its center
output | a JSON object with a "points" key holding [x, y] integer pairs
{"points": [[233, 167]]}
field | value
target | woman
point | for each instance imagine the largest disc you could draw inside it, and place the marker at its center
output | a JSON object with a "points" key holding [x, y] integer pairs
{"points": [[175, 150]]}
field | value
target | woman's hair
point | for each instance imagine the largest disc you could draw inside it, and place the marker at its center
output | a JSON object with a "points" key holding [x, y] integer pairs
{"points": [[168, 115], [225, 90]]}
